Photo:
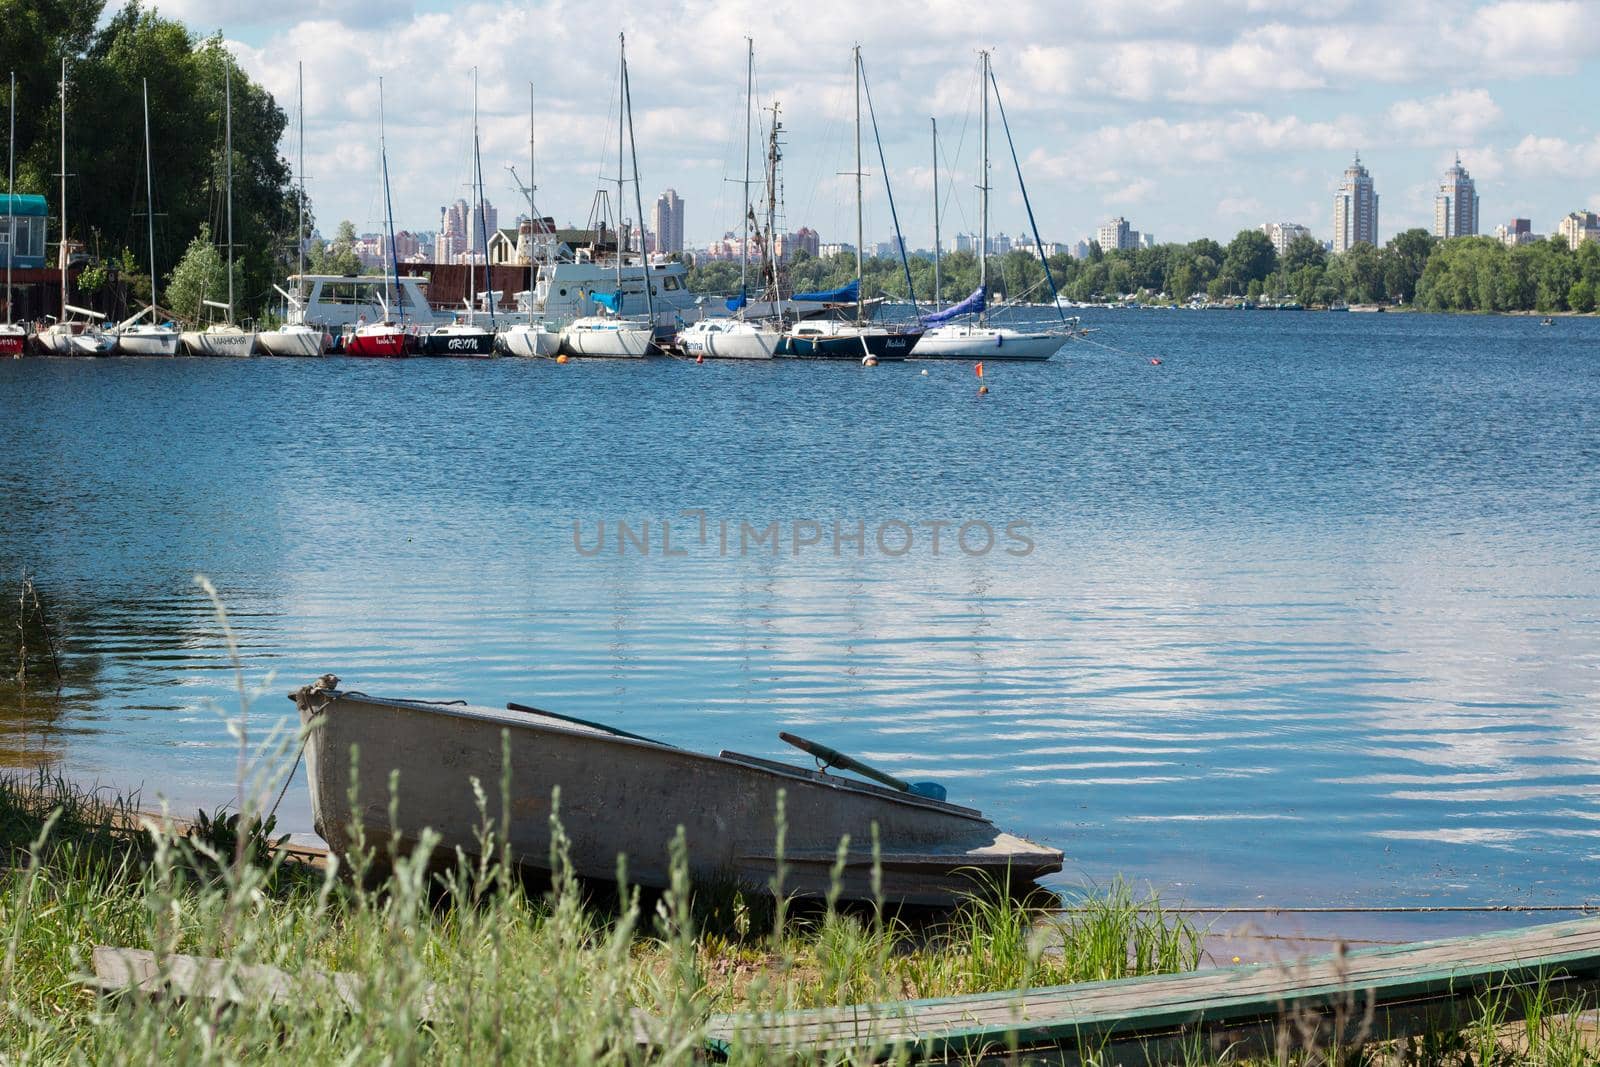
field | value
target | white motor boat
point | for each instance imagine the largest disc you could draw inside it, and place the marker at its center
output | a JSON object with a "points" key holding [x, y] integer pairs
{"points": [[966, 340], [13, 339], [147, 339], [602, 335], [295, 339], [728, 338], [532, 339], [220, 340]]}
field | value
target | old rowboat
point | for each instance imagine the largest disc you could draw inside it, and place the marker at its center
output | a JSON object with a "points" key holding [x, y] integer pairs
{"points": [[621, 793]]}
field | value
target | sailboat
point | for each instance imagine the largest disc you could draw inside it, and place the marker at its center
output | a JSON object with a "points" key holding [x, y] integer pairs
{"points": [[613, 335], [842, 338], [224, 338], [464, 337], [972, 337], [13, 335], [534, 337], [135, 338], [295, 337], [735, 337], [384, 338], [82, 336]]}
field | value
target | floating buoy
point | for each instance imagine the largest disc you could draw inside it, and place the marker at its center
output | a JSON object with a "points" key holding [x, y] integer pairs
{"points": [[562, 358], [978, 370], [700, 357], [924, 374], [869, 361], [983, 390], [1154, 362]]}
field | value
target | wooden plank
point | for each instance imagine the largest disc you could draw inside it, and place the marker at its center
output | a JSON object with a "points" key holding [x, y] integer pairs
{"points": [[1097, 1014], [120, 970]]}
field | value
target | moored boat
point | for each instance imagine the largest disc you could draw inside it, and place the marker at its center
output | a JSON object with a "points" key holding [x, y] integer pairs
{"points": [[13, 339], [832, 339], [602, 335], [294, 339], [147, 339], [531, 339], [153, 338], [220, 339], [458, 339], [379, 339], [728, 338], [621, 794], [224, 338]]}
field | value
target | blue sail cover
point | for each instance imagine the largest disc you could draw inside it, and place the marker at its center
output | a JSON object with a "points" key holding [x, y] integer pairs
{"points": [[611, 301], [970, 306], [845, 294], [736, 302]]}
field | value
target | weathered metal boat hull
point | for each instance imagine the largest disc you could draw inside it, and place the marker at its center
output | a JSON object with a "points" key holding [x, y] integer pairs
{"points": [[627, 796]]}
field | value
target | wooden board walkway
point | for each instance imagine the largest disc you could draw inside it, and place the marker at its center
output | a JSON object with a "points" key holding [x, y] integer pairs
{"points": [[1372, 994]]}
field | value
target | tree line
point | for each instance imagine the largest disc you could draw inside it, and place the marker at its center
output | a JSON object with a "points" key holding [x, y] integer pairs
{"points": [[1413, 268], [108, 62]]}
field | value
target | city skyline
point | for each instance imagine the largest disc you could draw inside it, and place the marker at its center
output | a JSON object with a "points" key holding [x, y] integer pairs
{"points": [[1197, 119]]}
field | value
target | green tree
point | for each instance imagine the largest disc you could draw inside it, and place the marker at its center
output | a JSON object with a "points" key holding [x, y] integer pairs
{"points": [[1404, 259], [337, 257], [1581, 297], [1250, 257], [200, 275], [1303, 252]]}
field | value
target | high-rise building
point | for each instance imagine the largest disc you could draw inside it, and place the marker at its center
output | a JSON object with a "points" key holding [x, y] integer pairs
{"points": [[1283, 234], [1114, 235], [1455, 208], [668, 222], [1580, 226], [1516, 232], [1355, 209]]}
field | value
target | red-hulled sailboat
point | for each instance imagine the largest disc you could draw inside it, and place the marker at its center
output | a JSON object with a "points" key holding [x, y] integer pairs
{"points": [[387, 338]]}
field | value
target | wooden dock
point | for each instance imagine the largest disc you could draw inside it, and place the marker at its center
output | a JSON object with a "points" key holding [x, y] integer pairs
{"points": [[1370, 995]]}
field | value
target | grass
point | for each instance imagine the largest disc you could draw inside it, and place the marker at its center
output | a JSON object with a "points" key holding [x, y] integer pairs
{"points": [[469, 966]]}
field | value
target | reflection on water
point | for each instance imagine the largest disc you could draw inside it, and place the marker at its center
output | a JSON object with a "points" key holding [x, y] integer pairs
{"points": [[1311, 616]]}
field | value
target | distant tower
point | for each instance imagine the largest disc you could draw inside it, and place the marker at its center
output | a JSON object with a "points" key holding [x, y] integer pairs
{"points": [[668, 222], [1455, 209], [1355, 209]]}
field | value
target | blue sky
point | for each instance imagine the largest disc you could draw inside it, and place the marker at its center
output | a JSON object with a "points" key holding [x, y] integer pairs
{"points": [[1189, 117]]}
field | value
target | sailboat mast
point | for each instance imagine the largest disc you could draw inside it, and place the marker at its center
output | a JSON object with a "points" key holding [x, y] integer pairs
{"points": [[533, 208], [860, 218], [483, 218], [11, 194], [227, 90], [622, 74], [388, 209], [983, 187], [472, 267], [300, 203], [638, 204], [749, 89], [149, 199], [935, 123], [65, 258]]}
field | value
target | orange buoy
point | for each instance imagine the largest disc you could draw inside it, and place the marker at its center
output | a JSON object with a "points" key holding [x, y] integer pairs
{"points": [[562, 358], [983, 390], [700, 357], [1154, 362]]}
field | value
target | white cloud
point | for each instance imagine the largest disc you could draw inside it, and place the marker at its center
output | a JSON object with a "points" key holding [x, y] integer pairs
{"points": [[1536, 154], [1452, 118]]}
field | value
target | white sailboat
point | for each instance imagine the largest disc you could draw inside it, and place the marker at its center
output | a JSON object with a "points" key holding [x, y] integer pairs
{"points": [[136, 338], [534, 338], [613, 335], [973, 337], [13, 335], [224, 338], [734, 336], [68, 336], [295, 337]]}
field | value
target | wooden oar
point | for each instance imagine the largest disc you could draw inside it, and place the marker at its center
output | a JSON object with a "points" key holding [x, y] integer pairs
{"points": [[585, 722], [831, 757]]}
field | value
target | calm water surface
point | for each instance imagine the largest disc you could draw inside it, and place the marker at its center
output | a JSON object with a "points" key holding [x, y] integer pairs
{"points": [[1312, 616]]}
